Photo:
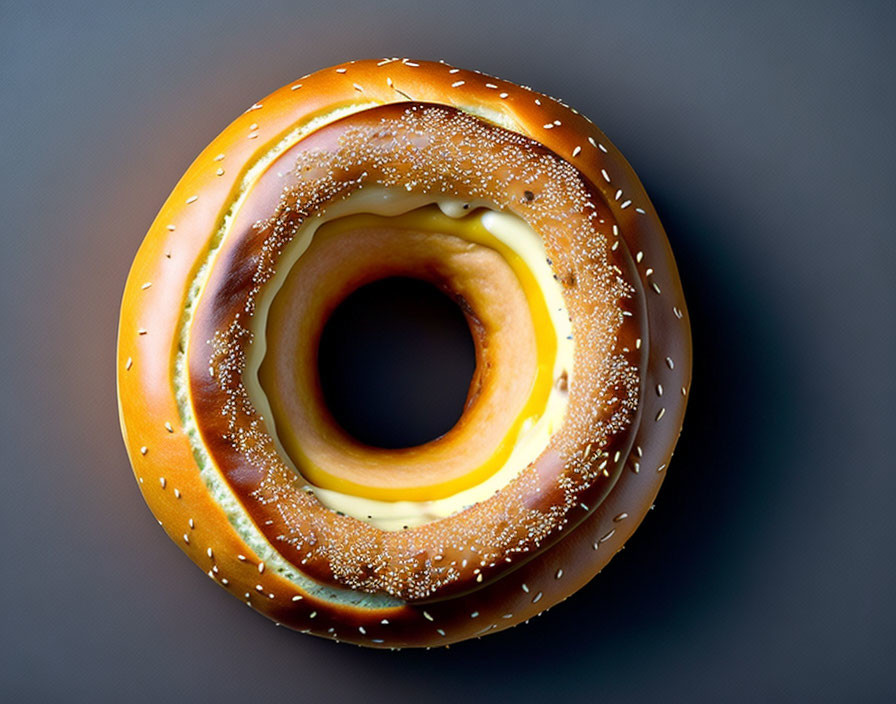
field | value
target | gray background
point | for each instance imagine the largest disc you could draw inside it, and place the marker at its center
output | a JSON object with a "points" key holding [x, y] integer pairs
{"points": [[764, 134]]}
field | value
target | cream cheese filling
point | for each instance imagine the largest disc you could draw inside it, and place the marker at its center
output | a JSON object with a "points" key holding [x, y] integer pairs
{"points": [[535, 433]]}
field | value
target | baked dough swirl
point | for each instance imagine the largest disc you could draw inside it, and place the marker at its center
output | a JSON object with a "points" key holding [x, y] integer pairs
{"points": [[522, 211]]}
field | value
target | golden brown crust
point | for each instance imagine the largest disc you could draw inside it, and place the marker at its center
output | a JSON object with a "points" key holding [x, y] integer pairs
{"points": [[160, 449]]}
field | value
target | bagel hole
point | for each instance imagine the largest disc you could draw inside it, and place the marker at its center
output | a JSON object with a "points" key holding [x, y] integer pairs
{"points": [[395, 363]]}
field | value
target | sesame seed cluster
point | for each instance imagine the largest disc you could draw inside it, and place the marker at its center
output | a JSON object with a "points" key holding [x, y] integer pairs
{"points": [[435, 150]]}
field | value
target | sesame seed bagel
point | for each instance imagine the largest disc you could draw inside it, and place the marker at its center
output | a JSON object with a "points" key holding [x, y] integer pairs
{"points": [[388, 168]]}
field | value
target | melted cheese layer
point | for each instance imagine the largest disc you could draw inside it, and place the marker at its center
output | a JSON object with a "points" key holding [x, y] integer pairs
{"points": [[522, 247]]}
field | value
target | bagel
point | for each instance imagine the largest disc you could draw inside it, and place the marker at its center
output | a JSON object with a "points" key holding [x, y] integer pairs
{"points": [[519, 209]]}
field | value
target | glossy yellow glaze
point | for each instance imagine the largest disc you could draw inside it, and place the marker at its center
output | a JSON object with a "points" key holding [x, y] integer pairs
{"points": [[471, 229]]}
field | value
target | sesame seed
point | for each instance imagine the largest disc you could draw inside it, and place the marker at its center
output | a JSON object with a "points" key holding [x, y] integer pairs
{"points": [[491, 85], [670, 363], [186, 539], [296, 86], [128, 364], [261, 567], [608, 536], [385, 622], [625, 204], [341, 70], [655, 286], [503, 95], [440, 631], [219, 172], [603, 172], [220, 157], [210, 553], [621, 517], [192, 199], [177, 493], [411, 63], [559, 574], [537, 597], [661, 413], [146, 285], [475, 614], [144, 450], [659, 389], [457, 84], [141, 331], [169, 427], [453, 70], [358, 88], [639, 257], [163, 481], [191, 523], [297, 597], [427, 616], [576, 151], [241, 558]]}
